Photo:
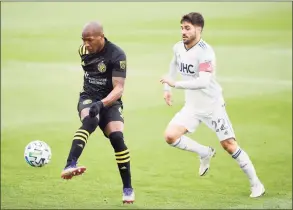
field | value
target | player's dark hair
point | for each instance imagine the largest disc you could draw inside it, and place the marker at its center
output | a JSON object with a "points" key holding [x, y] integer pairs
{"points": [[194, 18]]}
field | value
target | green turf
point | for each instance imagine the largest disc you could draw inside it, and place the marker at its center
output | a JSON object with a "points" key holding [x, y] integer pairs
{"points": [[41, 77]]}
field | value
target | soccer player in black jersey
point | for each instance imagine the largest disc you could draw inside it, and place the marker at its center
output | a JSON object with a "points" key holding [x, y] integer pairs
{"points": [[100, 103]]}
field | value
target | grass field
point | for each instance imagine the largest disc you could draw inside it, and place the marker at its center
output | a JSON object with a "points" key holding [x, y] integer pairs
{"points": [[41, 77]]}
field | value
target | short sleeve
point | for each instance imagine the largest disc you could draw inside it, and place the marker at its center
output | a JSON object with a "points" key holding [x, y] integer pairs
{"points": [[119, 65]]}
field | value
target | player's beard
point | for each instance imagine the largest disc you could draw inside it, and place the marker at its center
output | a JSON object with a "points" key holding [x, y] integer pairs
{"points": [[186, 41], [189, 40]]}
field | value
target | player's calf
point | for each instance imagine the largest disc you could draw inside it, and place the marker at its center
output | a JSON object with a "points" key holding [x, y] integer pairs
{"points": [[230, 145], [174, 136], [243, 160], [122, 155]]}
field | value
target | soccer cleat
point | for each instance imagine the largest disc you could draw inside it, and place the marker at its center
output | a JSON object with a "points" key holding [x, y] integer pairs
{"points": [[128, 195], [72, 170], [257, 190], [205, 162]]}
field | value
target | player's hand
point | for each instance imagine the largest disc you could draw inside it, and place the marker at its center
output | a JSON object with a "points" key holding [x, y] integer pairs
{"points": [[95, 109], [170, 82], [168, 97]]}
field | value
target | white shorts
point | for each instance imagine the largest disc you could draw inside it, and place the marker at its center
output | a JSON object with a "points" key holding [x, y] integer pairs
{"points": [[218, 121]]}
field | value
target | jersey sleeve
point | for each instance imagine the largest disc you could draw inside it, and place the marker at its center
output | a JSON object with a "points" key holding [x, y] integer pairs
{"points": [[82, 50], [207, 61], [172, 69], [173, 65], [119, 65]]}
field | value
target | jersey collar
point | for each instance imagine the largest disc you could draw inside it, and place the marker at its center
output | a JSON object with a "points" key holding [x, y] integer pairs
{"points": [[193, 45]]}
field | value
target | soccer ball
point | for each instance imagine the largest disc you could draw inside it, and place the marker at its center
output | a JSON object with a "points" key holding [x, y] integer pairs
{"points": [[37, 153]]}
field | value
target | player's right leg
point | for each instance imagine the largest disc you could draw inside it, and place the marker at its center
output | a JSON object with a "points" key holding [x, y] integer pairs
{"points": [[80, 139], [182, 123]]}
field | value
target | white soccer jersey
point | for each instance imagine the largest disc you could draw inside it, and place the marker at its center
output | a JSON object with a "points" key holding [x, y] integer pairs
{"points": [[189, 63]]}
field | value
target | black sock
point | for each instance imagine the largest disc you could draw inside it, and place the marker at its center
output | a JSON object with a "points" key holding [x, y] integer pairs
{"points": [[122, 157], [80, 139], [78, 144]]}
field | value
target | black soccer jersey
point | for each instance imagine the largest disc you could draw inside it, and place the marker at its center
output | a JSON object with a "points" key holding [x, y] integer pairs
{"points": [[99, 68]]}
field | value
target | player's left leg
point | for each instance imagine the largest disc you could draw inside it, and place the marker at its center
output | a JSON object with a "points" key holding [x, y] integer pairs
{"points": [[112, 124], [221, 124], [185, 121]]}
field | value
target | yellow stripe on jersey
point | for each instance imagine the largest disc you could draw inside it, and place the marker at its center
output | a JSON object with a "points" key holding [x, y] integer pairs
{"points": [[82, 50]]}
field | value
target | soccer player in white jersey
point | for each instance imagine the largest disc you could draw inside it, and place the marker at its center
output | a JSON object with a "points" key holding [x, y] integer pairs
{"points": [[195, 60]]}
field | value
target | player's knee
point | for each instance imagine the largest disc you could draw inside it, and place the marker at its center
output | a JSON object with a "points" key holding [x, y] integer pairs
{"points": [[90, 124], [117, 141], [84, 113], [173, 133], [170, 137], [230, 145]]}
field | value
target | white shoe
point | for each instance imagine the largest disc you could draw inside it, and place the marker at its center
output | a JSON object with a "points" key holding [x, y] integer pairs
{"points": [[128, 196], [257, 190], [205, 162]]}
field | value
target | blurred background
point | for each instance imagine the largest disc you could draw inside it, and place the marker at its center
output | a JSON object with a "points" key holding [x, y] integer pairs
{"points": [[41, 78]]}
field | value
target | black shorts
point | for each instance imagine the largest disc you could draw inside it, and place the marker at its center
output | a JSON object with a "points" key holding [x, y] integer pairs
{"points": [[107, 114]]}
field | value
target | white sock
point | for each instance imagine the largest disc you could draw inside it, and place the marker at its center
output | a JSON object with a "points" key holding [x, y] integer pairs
{"points": [[186, 143], [246, 165]]}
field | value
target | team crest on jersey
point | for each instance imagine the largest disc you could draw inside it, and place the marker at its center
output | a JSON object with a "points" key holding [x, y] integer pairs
{"points": [[88, 101], [123, 65], [102, 67]]}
